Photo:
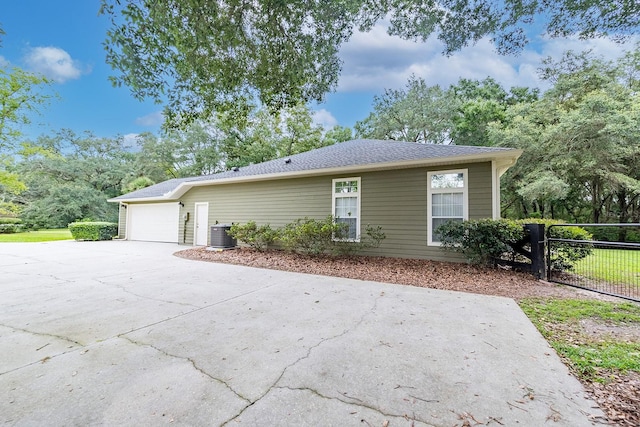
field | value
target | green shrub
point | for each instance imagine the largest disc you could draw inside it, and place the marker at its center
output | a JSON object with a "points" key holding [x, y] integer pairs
{"points": [[481, 241], [310, 236], [10, 225], [373, 237], [564, 254], [257, 237], [616, 234], [315, 237], [11, 228], [10, 220], [93, 230]]}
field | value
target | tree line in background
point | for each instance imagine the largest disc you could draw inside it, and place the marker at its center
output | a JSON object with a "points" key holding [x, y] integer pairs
{"points": [[59, 178], [581, 138], [581, 142]]}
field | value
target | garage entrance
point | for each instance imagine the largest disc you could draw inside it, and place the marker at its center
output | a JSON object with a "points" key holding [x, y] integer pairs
{"points": [[153, 222]]}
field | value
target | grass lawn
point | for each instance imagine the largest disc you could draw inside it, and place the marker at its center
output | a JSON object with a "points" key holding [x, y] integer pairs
{"points": [[611, 265], [592, 356], [37, 236]]}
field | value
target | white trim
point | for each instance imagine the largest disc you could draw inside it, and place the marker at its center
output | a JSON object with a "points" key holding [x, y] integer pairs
{"points": [[127, 231], [505, 158], [431, 191], [498, 168], [120, 207], [357, 194], [195, 222], [495, 190]]}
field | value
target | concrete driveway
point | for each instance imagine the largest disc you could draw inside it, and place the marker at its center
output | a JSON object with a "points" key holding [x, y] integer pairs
{"points": [[124, 333]]}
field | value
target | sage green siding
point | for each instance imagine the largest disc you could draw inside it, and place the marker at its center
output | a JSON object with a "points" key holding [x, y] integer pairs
{"points": [[396, 200], [122, 221], [266, 202]]}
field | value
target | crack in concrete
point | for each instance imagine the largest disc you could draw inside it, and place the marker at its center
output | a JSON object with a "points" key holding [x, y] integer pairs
{"points": [[309, 351], [125, 290], [49, 276], [60, 337], [360, 403], [43, 334], [190, 360], [124, 333], [177, 316]]}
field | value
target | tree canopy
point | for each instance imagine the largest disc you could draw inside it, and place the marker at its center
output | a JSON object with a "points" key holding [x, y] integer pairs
{"points": [[21, 95], [214, 55], [459, 114], [581, 142]]}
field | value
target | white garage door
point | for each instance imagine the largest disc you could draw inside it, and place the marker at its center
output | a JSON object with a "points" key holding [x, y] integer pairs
{"points": [[156, 222]]}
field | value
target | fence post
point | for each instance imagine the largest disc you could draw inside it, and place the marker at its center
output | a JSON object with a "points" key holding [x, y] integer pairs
{"points": [[536, 234]]}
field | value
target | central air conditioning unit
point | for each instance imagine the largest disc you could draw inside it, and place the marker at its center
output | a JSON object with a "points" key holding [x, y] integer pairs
{"points": [[220, 237]]}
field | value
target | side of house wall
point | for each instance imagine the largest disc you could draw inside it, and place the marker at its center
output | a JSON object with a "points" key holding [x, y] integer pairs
{"points": [[122, 221], [396, 200]]}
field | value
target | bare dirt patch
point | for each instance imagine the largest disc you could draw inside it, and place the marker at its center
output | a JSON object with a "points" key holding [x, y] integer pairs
{"points": [[618, 398], [610, 331]]}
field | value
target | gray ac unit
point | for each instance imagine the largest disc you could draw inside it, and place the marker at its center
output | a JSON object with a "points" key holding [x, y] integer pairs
{"points": [[220, 237]]}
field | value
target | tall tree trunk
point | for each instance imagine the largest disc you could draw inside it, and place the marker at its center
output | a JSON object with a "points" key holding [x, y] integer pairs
{"points": [[622, 214]]}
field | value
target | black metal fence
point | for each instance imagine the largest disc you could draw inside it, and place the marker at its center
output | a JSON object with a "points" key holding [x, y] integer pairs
{"points": [[607, 267]]}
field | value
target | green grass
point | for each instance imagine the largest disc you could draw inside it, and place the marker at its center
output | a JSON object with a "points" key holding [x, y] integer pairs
{"points": [[37, 236], [591, 356], [591, 360], [611, 265]]}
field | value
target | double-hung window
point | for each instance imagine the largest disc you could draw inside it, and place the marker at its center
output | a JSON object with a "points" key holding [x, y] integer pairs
{"points": [[346, 206], [447, 200]]}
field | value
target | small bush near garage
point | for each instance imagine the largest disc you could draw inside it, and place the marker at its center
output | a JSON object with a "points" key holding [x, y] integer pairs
{"points": [[93, 230], [11, 225], [257, 237]]}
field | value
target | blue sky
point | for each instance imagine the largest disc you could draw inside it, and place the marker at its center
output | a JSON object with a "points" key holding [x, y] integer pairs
{"points": [[63, 40]]}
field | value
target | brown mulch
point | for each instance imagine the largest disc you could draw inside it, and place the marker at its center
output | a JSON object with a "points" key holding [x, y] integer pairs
{"points": [[413, 272], [618, 398]]}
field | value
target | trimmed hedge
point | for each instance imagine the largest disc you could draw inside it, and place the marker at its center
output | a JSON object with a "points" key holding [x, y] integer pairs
{"points": [[10, 220], [93, 230], [11, 225], [11, 228]]}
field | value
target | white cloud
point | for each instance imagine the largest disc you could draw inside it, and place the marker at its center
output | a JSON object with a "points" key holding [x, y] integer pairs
{"points": [[152, 119], [54, 63], [130, 139], [324, 118], [375, 61], [4, 62]]}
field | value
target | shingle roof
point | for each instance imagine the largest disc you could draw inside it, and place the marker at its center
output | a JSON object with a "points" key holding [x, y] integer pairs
{"points": [[357, 152]]}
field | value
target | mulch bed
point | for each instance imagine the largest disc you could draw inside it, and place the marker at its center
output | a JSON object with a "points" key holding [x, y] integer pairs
{"points": [[619, 398]]}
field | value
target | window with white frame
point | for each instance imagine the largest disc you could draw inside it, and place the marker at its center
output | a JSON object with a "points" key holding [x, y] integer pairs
{"points": [[447, 200], [346, 206]]}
